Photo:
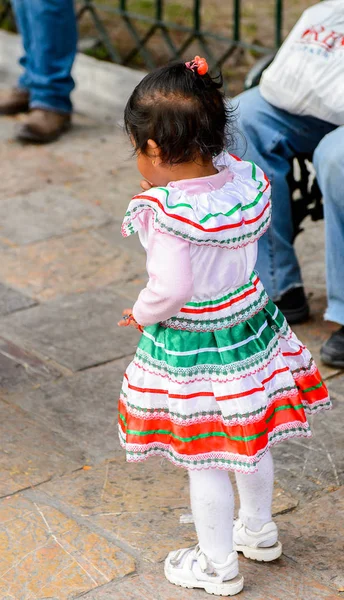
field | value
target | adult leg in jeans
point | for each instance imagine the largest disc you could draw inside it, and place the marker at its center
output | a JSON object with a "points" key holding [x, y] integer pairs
{"points": [[20, 10], [329, 165], [49, 36], [273, 137], [16, 100]]}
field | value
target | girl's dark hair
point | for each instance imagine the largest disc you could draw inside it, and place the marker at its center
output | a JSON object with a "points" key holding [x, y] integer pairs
{"points": [[182, 111]]}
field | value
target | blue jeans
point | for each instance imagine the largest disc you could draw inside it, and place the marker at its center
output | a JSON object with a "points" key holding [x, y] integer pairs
{"points": [[273, 137], [49, 33]]}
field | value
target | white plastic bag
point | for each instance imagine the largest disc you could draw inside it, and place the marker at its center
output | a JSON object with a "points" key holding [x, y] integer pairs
{"points": [[307, 75]]}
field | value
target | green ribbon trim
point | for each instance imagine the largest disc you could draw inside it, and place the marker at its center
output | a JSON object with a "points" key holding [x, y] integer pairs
{"points": [[211, 434], [311, 389], [224, 298], [211, 324], [192, 437], [208, 216], [290, 432], [284, 407], [190, 238], [232, 210]]}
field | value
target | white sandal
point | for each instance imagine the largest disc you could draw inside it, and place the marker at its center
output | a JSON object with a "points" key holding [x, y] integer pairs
{"points": [[260, 545], [191, 568]]}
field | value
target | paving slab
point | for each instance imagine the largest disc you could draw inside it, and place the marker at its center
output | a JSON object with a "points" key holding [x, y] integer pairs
{"points": [[143, 505], [57, 558], [93, 145], [111, 189], [81, 409], [309, 467], [29, 452], [42, 214], [313, 538], [336, 389], [283, 501], [112, 234], [6, 129], [139, 504], [30, 167], [78, 331], [21, 370], [132, 288], [281, 580], [110, 177], [73, 263], [12, 300]]}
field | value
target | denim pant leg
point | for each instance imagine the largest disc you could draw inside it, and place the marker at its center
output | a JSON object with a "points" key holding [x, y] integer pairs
{"points": [[49, 32], [329, 166], [20, 10], [273, 137]]}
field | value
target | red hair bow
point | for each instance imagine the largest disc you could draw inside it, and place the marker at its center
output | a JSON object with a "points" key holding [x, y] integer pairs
{"points": [[198, 64]]}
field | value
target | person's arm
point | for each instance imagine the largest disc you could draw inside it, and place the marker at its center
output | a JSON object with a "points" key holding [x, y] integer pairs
{"points": [[170, 283]]}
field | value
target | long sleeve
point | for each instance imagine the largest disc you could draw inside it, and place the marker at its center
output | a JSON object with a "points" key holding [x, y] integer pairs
{"points": [[170, 283]]}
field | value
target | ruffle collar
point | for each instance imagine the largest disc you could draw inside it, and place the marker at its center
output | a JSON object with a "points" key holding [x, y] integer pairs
{"points": [[232, 215]]}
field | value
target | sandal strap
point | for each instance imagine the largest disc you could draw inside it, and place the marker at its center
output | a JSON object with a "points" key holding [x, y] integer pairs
{"points": [[181, 554], [192, 554]]}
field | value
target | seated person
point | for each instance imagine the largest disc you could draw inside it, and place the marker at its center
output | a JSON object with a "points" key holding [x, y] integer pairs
{"points": [[273, 137]]}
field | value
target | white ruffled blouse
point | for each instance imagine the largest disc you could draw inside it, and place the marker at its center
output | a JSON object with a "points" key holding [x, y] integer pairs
{"points": [[200, 236]]}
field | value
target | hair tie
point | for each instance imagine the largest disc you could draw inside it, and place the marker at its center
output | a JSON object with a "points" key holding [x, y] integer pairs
{"points": [[198, 64], [131, 319]]}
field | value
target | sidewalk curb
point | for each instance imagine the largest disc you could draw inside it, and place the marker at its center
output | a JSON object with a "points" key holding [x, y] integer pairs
{"points": [[96, 81]]}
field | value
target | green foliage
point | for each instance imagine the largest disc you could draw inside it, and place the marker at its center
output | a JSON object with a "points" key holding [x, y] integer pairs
{"points": [[98, 52]]}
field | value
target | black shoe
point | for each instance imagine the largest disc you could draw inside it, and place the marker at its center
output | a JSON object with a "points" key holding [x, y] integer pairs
{"points": [[294, 306], [332, 351]]}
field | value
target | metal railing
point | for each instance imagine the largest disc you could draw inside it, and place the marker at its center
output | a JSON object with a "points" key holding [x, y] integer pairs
{"points": [[157, 24]]}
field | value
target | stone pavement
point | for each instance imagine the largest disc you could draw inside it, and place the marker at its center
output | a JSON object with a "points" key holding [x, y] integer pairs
{"points": [[75, 519]]}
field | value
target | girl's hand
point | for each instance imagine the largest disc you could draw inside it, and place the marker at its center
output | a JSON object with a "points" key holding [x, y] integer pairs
{"points": [[145, 185], [128, 320]]}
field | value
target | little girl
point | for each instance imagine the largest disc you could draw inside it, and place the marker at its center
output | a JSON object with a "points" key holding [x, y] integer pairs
{"points": [[218, 376]]}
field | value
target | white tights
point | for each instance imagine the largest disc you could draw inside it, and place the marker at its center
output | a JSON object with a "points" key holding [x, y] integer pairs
{"points": [[212, 504]]}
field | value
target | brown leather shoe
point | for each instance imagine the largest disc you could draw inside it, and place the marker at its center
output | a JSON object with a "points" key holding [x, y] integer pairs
{"points": [[14, 101], [43, 126]]}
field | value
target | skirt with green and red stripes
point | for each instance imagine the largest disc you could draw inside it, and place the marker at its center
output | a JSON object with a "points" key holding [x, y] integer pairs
{"points": [[218, 398]]}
